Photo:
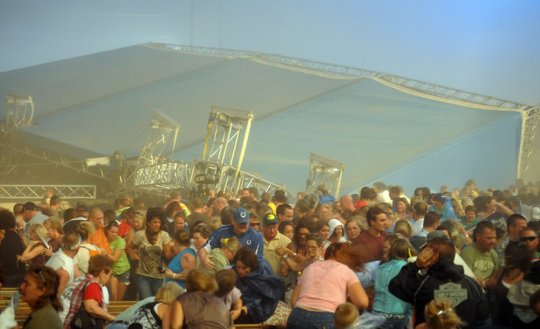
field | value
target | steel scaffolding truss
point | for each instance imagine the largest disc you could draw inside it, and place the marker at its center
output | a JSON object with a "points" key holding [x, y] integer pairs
{"points": [[161, 139], [166, 175], [20, 112], [345, 72], [32, 192], [224, 149], [226, 129], [247, 180], [62, 161], [530, 113], [532, 119], [324, 171], [153, 168]]}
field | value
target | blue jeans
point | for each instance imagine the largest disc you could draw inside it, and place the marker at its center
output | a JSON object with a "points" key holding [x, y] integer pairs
{"points": [[395, 324], [304, 319], [148, 286]]}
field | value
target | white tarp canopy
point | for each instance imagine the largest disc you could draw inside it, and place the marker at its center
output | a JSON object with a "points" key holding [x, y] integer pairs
{"points": [[381, 129]]}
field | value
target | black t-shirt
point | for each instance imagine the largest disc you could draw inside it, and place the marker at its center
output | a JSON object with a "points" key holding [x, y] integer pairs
{"points": [[11, 247]]}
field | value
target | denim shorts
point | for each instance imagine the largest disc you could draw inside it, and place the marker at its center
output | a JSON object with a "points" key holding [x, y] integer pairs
{"points": [[123, 277], [304, 319]]}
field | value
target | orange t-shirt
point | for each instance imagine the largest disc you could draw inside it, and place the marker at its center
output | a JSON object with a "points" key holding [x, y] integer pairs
{"points": [[99, 238]]}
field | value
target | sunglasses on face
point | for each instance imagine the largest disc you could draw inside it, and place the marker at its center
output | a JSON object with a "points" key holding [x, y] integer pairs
{"points": [[527, 238]]}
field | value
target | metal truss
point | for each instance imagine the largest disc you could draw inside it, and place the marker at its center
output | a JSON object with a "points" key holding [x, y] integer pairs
{"points": [[247, 180], [166, 175], [224, 149], [324, 171], [7, 159], [161, 139], [532, 119], [530, 113], [20, 112], [226, 129], [153, 168], [344, 72], [62, 161], [32, 192]]}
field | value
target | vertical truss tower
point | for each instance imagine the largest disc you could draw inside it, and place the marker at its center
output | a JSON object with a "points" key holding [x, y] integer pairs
{"points": [[324, 171], [20, 112], [154, 169], [224, 149]]}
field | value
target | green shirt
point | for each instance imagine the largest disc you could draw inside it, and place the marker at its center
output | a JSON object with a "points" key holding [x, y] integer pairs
{"points": [[220, 261], [483, 264], [122, 264], [45, 317]]}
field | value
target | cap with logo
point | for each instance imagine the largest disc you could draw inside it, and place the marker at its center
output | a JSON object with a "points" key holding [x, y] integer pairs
{"points": [[30, 206], [241, 216], [270, 219]]}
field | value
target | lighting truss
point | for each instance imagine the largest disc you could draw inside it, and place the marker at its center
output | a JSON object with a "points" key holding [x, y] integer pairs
{"points": [[530, 113], [153, 166], [161, 139], [532, 119], [31, 192], [20, 112], [224, 149], [62, 161], [324, 171], [247, 180], [166, 175]]}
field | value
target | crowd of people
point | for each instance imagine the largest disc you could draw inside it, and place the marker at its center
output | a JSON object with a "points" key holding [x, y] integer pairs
{"points": [[466, 258]]}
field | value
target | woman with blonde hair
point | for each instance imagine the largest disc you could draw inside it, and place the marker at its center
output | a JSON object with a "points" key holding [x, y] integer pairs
{"points": [[86, 250], [223, 257], [440, 315], [36, 252], [156, 314], [403, 227]]}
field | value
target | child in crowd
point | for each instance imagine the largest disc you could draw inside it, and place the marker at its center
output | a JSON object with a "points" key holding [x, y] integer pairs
{"points": [[226, 280], [347, 317], [440, 315]]}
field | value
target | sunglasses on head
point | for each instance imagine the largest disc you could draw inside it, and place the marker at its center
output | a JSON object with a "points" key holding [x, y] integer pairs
{"points": [[527, 238]]}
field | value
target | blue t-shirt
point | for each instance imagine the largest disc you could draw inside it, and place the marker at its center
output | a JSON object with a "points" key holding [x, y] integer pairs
{"points": [[175, 265], [251, 238]]}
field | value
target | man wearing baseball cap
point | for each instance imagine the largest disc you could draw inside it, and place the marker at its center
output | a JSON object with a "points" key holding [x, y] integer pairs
{"points": [[275, 243], [31, 215], [239, 228]]}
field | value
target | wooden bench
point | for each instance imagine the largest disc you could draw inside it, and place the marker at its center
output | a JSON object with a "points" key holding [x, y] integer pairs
{"points": [[6, 293], [24, 310], [115, 308]]}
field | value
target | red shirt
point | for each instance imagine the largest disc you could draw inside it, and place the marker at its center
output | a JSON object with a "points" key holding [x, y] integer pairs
{"points": [[123, 229], [93, 291], [373, 245]]}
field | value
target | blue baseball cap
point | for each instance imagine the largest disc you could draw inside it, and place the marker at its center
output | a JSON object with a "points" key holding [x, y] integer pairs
{"points": [[241, 216]]}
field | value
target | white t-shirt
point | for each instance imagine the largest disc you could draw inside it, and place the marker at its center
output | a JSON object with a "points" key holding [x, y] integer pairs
{"points": [[83, 256], [60, 260]]}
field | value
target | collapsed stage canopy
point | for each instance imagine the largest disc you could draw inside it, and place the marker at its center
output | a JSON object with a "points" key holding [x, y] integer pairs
{"points": [[381, 127]]}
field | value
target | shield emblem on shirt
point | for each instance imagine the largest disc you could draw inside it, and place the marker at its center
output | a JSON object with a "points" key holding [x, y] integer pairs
{"points": [[451, 291]]}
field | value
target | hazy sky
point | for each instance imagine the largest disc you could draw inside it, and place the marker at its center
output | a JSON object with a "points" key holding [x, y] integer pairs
{"points": [[491, 47]]}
